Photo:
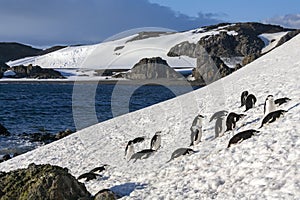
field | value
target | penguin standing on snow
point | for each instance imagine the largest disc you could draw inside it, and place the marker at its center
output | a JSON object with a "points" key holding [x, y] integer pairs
{"points": [[129, 150], [231, 120], [156, 141], [196, 134], [220, 126], [250, 102], [269, 105], [243, 98]]}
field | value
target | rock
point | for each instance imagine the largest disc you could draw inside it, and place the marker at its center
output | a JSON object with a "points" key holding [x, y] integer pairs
{"points": [[3, 67], [63, 134], [152, 68], [287, 37], [5, 158], [41, 182], [105, 194], [31, 71], [4, 131], [233, 40]]}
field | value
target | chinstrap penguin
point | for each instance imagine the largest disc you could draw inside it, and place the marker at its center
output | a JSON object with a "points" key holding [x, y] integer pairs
{"points": [[196, 134], [198, 120], [144, 154], [156, 141], [243, 97], [272, 117], [231, 120], [239, 137], [218, 115], [250, 102], [181, 152]]}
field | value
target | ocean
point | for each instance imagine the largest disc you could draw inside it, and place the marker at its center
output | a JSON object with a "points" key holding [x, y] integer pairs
{"points": [[52, 107]]}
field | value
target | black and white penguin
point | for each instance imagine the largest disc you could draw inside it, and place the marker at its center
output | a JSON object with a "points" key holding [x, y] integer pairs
{"points": [[88, 176], [272, 117], [218, 115], [239, 137], [250, 102], [99, 169], [156, 141], [282, 101], [269, 105], [220, 126], [196, 134], [181, 152], [243, 98], [198, 120], [144, 154], [138, 140], [231, 120], [129, 150]]}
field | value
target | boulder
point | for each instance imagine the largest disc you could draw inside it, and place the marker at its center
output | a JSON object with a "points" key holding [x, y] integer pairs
{"points": [[4, 131], [3, 67], [39, 182], [63, 134], [31, 71], [105, 194], [152, 68]]}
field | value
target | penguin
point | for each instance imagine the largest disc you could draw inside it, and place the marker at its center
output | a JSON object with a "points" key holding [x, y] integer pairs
{"points": [[181, 152], [239, 137], [129, 150], [269, 105], [281, 101], [272, 117], [196, 134], [243, 98], [250, 102], [198, 120], [220, 126], [138, 140], [218, 114], [231, 120], [144, 154], [155, 141], [88, 176], [99, 169]]}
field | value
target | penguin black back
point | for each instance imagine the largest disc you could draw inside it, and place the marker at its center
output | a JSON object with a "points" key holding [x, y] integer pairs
{"points": [[243, 98], [272, 117], [231, 120], [250, 102], [281, 101], [241, 136]]}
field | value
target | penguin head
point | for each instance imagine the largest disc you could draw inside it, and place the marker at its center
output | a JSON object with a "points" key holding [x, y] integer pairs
{"points": [[200, 116], [270, 98], [158, 133]]}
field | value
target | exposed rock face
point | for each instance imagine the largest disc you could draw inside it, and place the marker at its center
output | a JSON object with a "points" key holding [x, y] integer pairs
{"points": [[41, 182], [233, 40], [3, 68], [287, 37], [4, 131], [31, 71], [152, 68]]}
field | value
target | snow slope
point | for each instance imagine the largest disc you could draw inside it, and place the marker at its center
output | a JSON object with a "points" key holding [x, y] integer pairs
{"points": [[266, 166], [271, 40]]}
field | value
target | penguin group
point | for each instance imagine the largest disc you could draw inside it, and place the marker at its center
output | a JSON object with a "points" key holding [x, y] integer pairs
{"points": [[225, 121], [130, 153]]}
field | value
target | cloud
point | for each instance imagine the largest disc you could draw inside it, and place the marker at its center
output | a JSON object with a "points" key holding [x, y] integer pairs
{"points": [[89, 21], [289, 21]]}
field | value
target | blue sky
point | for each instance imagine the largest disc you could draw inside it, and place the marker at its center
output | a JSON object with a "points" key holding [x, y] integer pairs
{"points": [[53, 22]]}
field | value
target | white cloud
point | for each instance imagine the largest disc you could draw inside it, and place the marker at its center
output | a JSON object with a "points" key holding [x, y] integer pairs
{"points": [[288, 21]]}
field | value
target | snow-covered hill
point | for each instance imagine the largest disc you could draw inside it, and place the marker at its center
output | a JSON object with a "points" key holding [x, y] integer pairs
{"points": [[266, 166], [125, 52]]}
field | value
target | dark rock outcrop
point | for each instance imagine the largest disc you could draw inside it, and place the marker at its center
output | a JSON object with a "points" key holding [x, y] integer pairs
{"points": [[63, 134], [5, 158], [3, 68], [31, 71], [4, 131], [40, 182], [105, 194], [287, 37], [233, 40], [152, 68]]}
